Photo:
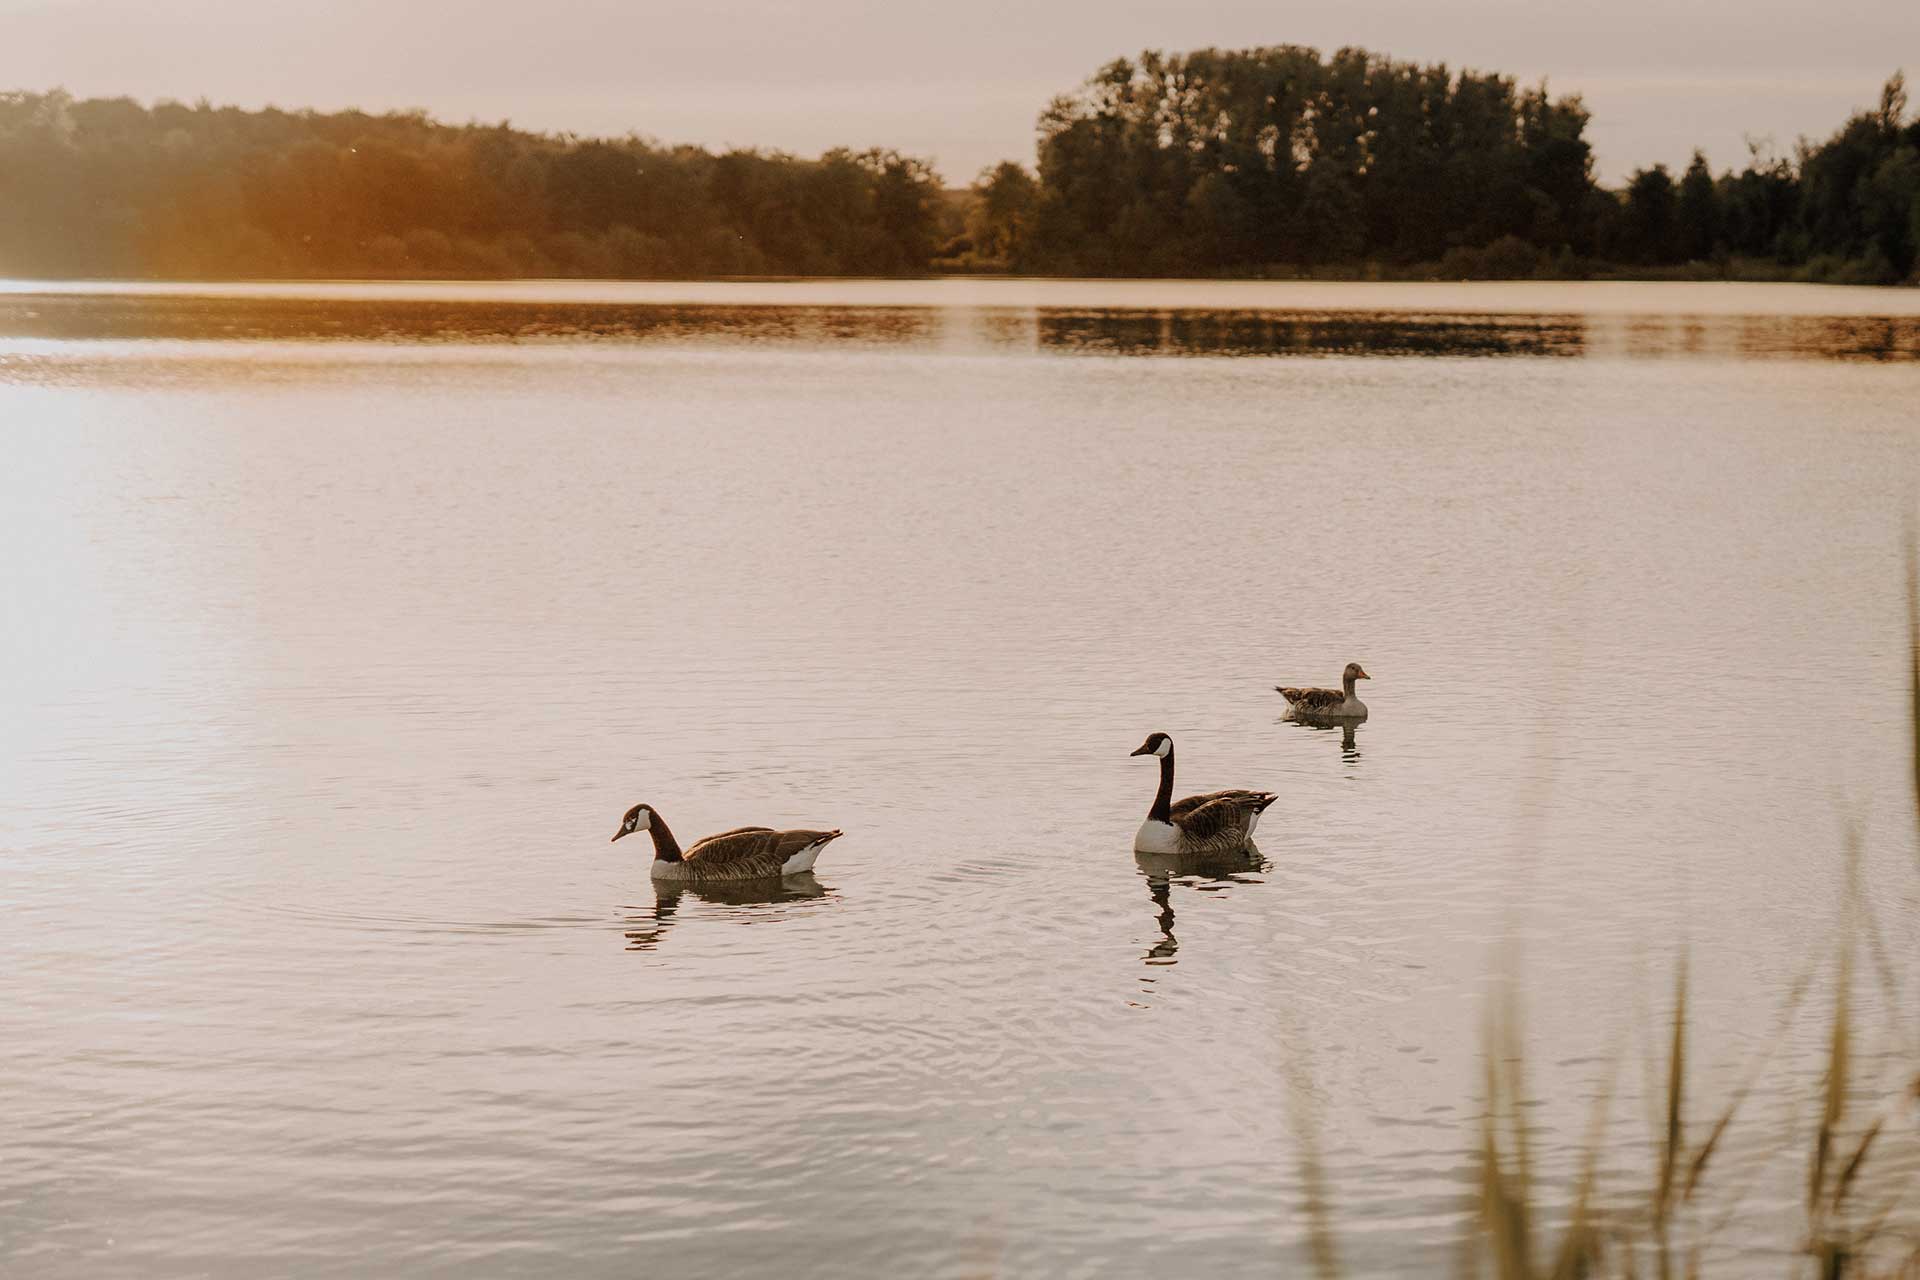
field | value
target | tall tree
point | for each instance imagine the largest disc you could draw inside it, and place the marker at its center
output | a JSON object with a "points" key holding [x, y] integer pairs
{"points": [[1222, 160], [1002, 217], [1696, 212], [1647, 226]]}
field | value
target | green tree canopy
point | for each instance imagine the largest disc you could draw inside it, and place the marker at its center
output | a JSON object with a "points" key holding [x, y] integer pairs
{"points": [[1217, 159], [110, 188]]}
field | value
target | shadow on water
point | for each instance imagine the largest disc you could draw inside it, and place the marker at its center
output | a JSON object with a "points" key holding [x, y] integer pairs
{"points": [[1046, 330], [1210, 873], [743, 901]]}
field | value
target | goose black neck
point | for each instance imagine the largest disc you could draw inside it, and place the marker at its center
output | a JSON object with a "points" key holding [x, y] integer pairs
{"points": [[1162, 810], [665, 847]]}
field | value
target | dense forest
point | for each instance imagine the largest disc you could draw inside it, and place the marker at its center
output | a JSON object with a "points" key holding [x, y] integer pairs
{"points": [[110, 188], [1262, 162], [1274, 161]]}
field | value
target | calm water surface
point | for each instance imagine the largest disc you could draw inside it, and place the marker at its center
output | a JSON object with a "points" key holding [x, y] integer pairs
{"points": [[342, 624]]}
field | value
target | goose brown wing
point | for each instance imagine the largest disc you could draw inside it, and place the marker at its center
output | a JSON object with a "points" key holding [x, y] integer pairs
{"points": [[736, 831], [1255, 799], [788, 843], [731, 847], [1217, 819], [1314, 699], [753, 844]]}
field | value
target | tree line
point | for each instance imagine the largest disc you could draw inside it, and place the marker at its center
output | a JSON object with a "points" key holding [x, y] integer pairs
{"points": [[106, 187], [1269, 161], [1277, 161]]}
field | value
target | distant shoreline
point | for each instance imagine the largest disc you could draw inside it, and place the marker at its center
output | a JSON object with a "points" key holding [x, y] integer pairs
{"points": [[1045, 293], [1254, 164], [1362, 273]]}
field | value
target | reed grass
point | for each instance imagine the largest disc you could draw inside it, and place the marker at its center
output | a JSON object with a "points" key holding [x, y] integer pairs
{"points": [[1861, 1215]]}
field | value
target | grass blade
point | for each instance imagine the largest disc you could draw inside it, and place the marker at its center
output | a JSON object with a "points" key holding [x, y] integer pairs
{"points": [[1834, 1101], [1852, 1166], [1674, 1149], [1789, 1007]]}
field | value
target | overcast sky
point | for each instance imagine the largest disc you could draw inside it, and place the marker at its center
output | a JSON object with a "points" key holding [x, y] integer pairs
{"points": [[959, 82]]}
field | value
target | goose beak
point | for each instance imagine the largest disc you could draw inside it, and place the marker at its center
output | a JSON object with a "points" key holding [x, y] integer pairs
{"points": [[1140, 751], [621, 832], [1361, 675]]}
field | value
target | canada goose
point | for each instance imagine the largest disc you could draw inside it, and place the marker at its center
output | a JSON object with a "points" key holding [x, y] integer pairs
{"points": [[1218, 822], [744, 853], [1328, 704]]}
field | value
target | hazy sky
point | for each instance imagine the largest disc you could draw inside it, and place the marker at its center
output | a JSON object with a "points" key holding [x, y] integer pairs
{"points": [[962, 82]]}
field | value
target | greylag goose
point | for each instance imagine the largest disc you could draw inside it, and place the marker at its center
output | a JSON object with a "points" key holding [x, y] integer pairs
{"points": [[1327, 704]]}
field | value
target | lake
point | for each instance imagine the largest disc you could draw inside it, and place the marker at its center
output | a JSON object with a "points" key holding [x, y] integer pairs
{"points": [[345, 621]]}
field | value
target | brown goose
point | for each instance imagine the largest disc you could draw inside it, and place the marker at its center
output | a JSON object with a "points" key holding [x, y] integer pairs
{"points": [[744, 853], [1328, 704], [1217, 822]]}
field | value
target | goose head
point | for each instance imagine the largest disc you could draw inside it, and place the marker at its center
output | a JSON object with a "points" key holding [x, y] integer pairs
{"points": [[1354, 672], [638, 818], [1157, 744]]}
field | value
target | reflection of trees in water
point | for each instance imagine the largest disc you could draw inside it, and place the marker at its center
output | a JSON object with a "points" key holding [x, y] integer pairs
{"points": [[986, 328], [1272, 333], [257, 318], [1310, 333], [747, 902], [959, 329]]}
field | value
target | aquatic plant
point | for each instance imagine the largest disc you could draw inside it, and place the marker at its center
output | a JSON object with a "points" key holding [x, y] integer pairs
{"points": [[1861, 1214]]}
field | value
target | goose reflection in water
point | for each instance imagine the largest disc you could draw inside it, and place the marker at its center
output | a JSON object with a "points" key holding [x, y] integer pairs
{"points": [[745, 901], [1204, 873], [1349, 732]]}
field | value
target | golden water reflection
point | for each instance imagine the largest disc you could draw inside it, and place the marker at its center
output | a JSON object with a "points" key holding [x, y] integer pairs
{"points": [[1052, 330]]}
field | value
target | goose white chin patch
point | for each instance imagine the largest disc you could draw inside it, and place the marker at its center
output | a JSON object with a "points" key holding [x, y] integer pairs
{"points": [[1165, 748]]}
